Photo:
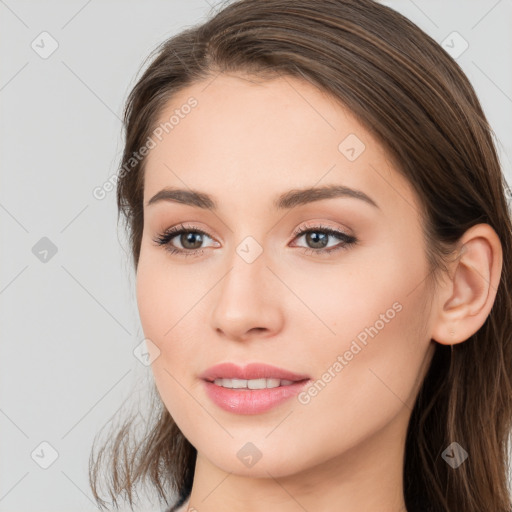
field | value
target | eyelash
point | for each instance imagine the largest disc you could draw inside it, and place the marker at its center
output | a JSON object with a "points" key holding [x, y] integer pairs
{"points": [[165, 238]]}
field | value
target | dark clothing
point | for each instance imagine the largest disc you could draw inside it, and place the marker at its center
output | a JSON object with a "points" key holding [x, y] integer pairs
{"points": [[421, 507], [183, 497]]}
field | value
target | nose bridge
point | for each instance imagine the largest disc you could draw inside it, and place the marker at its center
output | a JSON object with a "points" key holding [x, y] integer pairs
{"points": [[248, 258], [248, 268], [248, 295]]}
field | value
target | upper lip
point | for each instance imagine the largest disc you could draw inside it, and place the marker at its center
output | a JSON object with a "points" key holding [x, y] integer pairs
{"points": [[250, 371]]}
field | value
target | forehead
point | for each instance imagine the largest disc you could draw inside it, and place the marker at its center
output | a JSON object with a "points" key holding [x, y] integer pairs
{"points": [[253, 139]]}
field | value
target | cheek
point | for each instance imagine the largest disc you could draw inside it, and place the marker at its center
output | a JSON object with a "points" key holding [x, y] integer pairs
{"points": [[165, 295], [150, 300], [168, 302], [157, 312], [382, 352], [372, 314], [339, 303]]}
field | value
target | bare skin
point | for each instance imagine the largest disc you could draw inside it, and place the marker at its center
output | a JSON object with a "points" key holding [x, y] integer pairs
{"points": [[342, 450]]}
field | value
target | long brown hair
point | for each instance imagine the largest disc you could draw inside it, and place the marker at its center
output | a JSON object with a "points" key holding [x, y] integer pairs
{"points": [[406, 90]]}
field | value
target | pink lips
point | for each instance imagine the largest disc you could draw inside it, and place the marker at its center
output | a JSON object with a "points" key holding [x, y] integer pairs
{"points": [[251, 371], [251, 401]]}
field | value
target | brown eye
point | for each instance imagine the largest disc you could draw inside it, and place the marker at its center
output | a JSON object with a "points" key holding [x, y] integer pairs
{"points": [[317, 239], [317, 242], [190, 239]]}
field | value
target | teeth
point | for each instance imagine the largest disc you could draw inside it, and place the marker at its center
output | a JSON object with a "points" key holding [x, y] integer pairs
{"points": [[252, 383]]}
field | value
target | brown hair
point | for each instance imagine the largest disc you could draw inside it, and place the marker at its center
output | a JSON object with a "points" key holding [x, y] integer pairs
{"points": [[409, 93]]}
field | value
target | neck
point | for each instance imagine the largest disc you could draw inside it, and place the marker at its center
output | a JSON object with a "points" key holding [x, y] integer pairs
{"points": [[368, 476]]}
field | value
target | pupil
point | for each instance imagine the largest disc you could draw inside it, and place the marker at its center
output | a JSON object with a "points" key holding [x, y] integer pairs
{"points": [[315, 239], [189, 237]]}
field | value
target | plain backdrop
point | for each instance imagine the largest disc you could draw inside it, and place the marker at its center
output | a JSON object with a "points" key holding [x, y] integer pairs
{"points": [[69, 321]]}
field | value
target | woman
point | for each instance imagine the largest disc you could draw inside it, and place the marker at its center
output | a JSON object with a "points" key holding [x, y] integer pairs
{"points": [[322, 245]]}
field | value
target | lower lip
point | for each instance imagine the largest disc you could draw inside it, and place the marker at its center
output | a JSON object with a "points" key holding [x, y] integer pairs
{"points": [[251, 401]]}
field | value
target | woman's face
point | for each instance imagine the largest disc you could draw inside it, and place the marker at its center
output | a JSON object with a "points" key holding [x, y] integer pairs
{"points": [[349, 312]]}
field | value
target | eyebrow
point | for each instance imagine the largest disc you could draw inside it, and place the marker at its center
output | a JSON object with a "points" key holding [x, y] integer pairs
{"points": [[287, 200]]}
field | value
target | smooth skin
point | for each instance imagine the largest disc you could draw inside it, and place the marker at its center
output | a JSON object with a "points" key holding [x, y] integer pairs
{"points": [[248, 141]]}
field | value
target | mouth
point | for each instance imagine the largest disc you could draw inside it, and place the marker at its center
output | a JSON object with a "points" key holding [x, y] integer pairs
{"points": [[254, 383], [252, 389], [252, 372]]}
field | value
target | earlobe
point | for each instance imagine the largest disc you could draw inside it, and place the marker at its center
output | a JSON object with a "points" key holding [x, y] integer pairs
{"points": [[466, 298]]}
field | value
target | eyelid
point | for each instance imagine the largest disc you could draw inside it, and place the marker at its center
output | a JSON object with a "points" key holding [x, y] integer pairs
{"points": [[320, 226]]}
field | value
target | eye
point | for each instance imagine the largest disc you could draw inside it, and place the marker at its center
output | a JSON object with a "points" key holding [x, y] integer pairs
{"points": [[189, 238], [318, 237]]}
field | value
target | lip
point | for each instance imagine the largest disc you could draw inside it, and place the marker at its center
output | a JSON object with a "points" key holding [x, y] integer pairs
{"points": [[250, 371], [251, 401]]}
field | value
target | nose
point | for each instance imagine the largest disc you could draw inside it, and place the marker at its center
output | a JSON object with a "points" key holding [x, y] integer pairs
{"points": [[248, 301]]}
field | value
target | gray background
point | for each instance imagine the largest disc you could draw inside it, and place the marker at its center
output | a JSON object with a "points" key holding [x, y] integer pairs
{"points": [[70, 323]]}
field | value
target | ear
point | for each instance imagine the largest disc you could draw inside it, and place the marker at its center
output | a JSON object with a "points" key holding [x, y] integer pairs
{"points": [[465, 299]]}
